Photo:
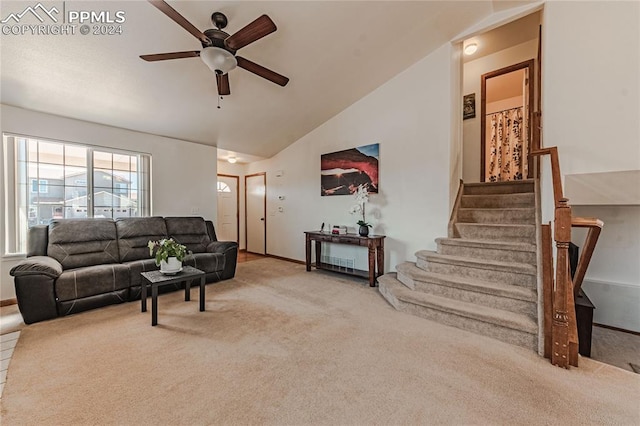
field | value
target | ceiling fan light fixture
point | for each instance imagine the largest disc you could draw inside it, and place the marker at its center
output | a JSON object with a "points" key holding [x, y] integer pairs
{"points": [[218, 59]]}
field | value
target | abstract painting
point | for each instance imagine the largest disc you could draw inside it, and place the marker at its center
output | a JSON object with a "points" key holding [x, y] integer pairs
{"points": [[341, 172]]}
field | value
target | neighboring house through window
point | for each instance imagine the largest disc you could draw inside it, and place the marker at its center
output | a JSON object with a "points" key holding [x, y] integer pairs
{"points": [[52, 180], [39, 186]]}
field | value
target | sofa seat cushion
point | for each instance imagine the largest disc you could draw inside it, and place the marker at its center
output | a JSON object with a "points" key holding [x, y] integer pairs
{"points": [[207, 262], [77, 243], [91, 280], [189, 231], [136, 267], [134, 234]]}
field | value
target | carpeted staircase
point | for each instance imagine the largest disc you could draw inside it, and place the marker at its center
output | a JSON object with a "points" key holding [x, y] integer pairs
{"points": [[483, 277]]}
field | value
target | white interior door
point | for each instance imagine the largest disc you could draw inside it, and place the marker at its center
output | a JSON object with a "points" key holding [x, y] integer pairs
{"points": [[227, 226], [255, 203]]}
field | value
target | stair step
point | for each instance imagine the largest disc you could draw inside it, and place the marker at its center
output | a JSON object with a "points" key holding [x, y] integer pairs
{"points": [[506, 326], [498, 200], [520, 274], [524, 215], [509, 187], [497, 232], [490, 250], [495, 295]]}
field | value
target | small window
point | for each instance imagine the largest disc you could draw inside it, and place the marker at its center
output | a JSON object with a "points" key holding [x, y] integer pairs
{"points": [[40, 186], [223, 187]]}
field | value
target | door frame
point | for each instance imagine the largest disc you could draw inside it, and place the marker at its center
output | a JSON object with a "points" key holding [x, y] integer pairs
{"points": [[237, 178], [529, 64], [264, 211]]}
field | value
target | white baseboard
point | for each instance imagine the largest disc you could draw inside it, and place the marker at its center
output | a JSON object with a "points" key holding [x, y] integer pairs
{"points": [[616, 303]]}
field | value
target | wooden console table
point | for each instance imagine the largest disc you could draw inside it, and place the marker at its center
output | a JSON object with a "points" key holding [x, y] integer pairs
{"points": [[374, 243]]}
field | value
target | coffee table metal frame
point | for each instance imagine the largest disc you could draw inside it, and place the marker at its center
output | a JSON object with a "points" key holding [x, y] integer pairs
{"points": [[157, 279]]}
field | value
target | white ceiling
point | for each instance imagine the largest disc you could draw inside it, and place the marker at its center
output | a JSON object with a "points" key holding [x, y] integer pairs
{"points": [[333, 52]]}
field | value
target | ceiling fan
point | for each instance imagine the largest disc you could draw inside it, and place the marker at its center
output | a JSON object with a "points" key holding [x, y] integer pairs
{"points": [[219, 48]]}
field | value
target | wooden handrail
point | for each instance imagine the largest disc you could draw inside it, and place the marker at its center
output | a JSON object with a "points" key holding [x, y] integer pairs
{"points": [[564, 332], [595, 226], [556, 177]]}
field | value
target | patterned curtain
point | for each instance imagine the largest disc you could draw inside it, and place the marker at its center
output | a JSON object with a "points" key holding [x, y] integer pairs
{"points": [[507, 149]]}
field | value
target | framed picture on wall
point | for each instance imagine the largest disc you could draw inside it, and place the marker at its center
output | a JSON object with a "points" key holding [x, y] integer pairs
{"points": [[341, 172], [469, 106]]}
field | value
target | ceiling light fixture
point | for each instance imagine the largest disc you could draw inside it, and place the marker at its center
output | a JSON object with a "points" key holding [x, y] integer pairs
{"points": [[232, 159], [470, 49], [218, 59]]}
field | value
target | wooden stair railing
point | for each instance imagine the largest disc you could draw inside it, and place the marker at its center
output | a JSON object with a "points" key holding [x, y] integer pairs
{"points": [[560, 327], [595, 226]]}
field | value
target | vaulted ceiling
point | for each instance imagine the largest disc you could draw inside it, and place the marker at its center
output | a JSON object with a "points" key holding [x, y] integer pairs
{"points": [[333, 52]]}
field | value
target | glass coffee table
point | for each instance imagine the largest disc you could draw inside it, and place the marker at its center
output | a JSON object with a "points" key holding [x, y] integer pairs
{"points": [[157, 279]]}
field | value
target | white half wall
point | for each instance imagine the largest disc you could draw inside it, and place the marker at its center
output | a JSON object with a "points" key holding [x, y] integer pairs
{"points": [[183, 173], [591, 105], [613, 278], [410, 117]]}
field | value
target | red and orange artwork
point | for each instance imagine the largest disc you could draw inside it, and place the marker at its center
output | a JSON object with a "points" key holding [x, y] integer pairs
{"points": [[343, 171]]}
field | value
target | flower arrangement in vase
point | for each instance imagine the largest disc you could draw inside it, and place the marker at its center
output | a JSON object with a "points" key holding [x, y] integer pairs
{"points": [[168, 254], [361, 195]]}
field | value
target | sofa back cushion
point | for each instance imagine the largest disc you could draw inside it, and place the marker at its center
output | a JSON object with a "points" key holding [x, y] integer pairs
{"points": [[83, 242], [37, 240], [134, 234], [190, 231]]}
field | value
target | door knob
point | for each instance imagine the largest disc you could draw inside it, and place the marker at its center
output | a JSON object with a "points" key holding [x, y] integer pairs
{"points": [[262, 218]]}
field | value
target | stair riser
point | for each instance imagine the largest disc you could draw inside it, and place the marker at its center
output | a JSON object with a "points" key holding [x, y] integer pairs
{"points": [[489, 189], [519, 234], [513, 278], [497, 201], [389, 296], [488, 254], [497, 216], [490, 300], [508, 335]]}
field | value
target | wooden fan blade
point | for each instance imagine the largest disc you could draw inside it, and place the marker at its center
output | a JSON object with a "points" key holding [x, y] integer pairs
{"points": [[223, 84], [180, 20], [262, 71], [254, 31], [173, 55]]}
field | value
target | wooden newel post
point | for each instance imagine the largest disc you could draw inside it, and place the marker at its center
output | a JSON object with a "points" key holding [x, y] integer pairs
{"points": [[560, 327]]}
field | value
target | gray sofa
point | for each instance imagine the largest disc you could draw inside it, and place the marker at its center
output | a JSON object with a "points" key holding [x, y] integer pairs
{"points": [[73, 265]]}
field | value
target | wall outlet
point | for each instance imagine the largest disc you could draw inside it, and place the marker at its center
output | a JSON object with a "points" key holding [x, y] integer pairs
{"points": [[195, 210]]}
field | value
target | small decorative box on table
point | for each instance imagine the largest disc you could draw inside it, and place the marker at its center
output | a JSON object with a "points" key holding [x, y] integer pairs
{"points": [[374, 243], [157, 278]]}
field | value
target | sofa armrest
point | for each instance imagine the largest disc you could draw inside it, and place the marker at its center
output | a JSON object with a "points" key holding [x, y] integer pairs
{"points": [[37, 265], [230, 251], [221, 246], [35, 287]]}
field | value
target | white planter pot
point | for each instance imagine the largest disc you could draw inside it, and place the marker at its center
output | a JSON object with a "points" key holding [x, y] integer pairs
{"points": [[171, 265]]}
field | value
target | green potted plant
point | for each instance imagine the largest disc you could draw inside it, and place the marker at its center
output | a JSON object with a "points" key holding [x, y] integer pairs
{"points": [[168, 255]]}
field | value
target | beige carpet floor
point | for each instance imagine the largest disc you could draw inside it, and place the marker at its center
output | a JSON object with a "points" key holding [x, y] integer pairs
{"points": [[278, 345]]}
